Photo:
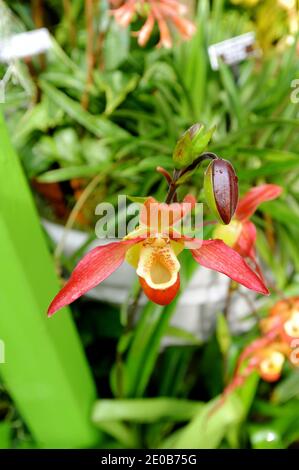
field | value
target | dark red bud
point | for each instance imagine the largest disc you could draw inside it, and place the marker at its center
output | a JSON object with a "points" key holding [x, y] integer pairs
{"points": [[221, 189]]}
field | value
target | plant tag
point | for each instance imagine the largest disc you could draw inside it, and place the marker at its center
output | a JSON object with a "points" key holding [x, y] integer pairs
{"points": [[233, 50], [24, 44]]}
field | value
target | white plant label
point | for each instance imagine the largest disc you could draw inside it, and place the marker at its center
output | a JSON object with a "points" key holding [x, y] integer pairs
{"points": [[233, 50], [24, 44]]}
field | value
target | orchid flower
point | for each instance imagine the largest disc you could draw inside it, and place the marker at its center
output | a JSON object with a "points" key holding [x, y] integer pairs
{"points": [[240, 233], [279, 328], [263, 356], [267, 361], [162, 12], [283, 320], [153, 249], [267, 354]]}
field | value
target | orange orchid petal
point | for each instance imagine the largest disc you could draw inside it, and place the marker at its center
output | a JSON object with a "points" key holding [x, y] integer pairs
{"points": [[160, 296], [271, 365], [284, 308], [255, 196], [290, 328], [158, 263], [160, 216]]}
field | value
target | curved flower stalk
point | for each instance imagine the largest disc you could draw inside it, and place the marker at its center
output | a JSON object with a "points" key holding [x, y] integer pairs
{"points": [[240, 233], [153, 250], [162, 12], [267, 354]]}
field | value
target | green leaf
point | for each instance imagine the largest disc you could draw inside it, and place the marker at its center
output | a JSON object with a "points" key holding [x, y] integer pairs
{"points": [[64, 174], [97, 125], [287, 388], [40, 117], [116, 45], [265, 436], [138, 199], [182, 155], [121, 432], [208, 427], [272, 170], [282, 212], [61, 79], [201, 140], [116, 86], [96, 151], [184, 335], [281, 428], [147, 410], [232, 92], [288, 242], [151, 163], [144, 349], [191, 63], [5, 435], [269, 154], [68, 145]]}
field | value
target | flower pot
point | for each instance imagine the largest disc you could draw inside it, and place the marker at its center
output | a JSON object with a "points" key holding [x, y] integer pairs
{"points": [[197, 307]]}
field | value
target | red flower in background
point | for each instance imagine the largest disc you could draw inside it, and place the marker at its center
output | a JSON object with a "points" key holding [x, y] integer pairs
{"points": [[240, 233], [283, 320], [265, 359], [153, 249], [162, 12], [266, 355]]}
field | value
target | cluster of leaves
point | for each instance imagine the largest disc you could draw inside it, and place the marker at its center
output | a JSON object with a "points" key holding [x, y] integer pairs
{"points": [[138, 105]]}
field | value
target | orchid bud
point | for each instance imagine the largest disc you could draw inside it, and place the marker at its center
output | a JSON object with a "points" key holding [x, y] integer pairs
{"points": [[182, 155], [221, 189], [192, 143], [291, 327], [270, 367], [200, 138]]}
